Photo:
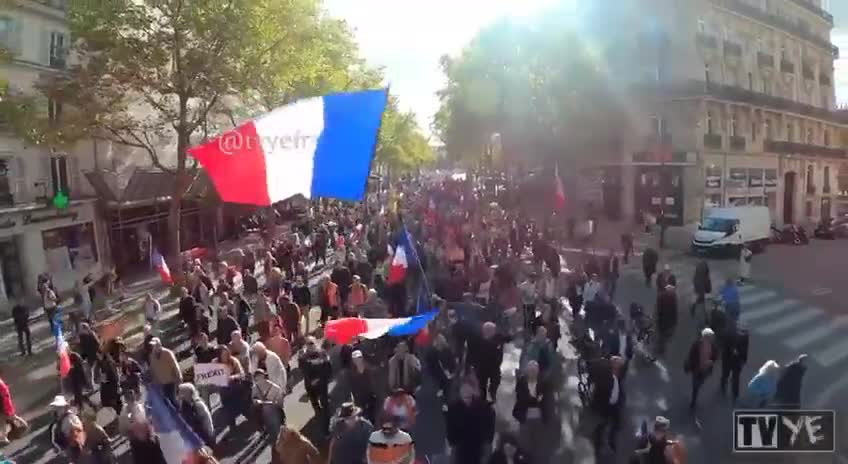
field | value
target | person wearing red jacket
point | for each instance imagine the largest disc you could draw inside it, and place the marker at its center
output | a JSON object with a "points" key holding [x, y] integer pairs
{"points": [[8, 414]]}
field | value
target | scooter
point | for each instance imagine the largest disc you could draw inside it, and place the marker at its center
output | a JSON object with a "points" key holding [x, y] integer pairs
{"points": [[790, 234]]}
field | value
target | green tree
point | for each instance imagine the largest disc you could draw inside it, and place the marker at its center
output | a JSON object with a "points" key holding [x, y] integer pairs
{"points": [[163, 75], [402, 145], [538, 83]]}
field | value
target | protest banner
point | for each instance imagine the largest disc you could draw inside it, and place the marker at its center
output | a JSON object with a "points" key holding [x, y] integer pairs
{"points": [[211, 374]]}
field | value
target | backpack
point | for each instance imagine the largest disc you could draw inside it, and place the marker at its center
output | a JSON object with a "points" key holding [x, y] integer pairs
{"points": [[59, 438]]}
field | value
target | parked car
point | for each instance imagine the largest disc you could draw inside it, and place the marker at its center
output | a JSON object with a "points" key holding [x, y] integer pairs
{"points": [[832, 228]]}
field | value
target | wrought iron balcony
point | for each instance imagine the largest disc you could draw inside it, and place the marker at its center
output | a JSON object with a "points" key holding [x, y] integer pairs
{"points": [[732, 49], [765, 60], [787, 66], [712, 141], [706, 40], [737, 143], [795, 148]]}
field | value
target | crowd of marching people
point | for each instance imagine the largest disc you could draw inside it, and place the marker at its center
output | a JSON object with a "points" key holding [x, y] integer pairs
{"points": [[495, 276]]}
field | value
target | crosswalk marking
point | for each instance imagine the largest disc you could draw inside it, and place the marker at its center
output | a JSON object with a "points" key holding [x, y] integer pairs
{"points": [[798, 317], [746, 289], [749, 315], [834, 354], [819, 331], [755, 298]]}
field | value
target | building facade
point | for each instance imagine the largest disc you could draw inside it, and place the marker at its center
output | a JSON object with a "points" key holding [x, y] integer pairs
{"points": [[35, 235], [731, 103]]}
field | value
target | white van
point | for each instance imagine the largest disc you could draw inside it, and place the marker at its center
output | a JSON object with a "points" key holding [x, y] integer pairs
{"points": [[727, 229]]}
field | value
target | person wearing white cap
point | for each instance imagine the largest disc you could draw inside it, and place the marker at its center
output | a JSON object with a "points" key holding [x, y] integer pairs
{"points": [[65, 425], [699, 363]]}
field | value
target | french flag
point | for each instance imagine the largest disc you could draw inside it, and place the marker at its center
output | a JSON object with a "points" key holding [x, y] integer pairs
{"points": [[317, 147], [61, 347], [179, 444], [158, 262], [343, 331], [404, 255]]}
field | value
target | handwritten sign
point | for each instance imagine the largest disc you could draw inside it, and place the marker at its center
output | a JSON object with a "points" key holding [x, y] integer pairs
{"points": [[211, 374]]}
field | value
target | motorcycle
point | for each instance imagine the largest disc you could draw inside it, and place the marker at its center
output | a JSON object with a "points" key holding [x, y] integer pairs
{"points": [[790, 235]]}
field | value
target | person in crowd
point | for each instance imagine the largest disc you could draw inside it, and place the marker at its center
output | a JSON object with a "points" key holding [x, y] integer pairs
{"points": [[610, 272], [441, 365], [608, 398], [358, 295], [360, 378], [165, 370], [50, 302], [110, 382], [508, 451], [204, 354], [240, 349], [132, 413], [529, 296], [700, 361], [657, 447], [144, 444], [65, 424], [317, 372], [539, 350], [9, 416], [701, 283], [328, 299], [188, 310], [227, 324], [20, 316], [196, 414], [292, 447], [268, 397], [301, 296], [787, 393], [485, 354], [77, 381], [263, 313], [267, 360], [734, 356], [762, 387], [574, 292], [548, 290], [89, 348], [401, 405], [591, 290], [243, 312], [650, 258], [627, 246], [280, 345], [745, 257], [470, 424], [666, 316], [390, 445], [619, 342], [152, 311], [249, 282], [289, 315], [730, 297], [665, 278], [233, 395], [342, 277], [374, 307], [404, 369], [349, 436], [532, 407]]}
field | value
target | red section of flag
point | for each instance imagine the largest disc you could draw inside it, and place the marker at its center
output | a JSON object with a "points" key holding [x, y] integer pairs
{"points": [[64, 362], [164, 272], [343, 331], [235, 161], [559, 190], [397, 270]]}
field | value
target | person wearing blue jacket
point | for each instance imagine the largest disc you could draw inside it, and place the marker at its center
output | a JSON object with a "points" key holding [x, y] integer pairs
{"points": [[730, 295], [762, 387]]}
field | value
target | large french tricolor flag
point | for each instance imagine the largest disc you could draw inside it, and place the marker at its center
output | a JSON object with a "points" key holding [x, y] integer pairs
{"points": [[317, 147], [180, 445], [343, 331]]}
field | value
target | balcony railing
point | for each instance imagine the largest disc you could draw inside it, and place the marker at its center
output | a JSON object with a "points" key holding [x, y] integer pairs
{"points": [[814, 9], [824, 80], [765, 60], [737, 143], [699, 88], [778, 22], [732, 49], [808, 73], [794, 148], [787, 66], [712, 141], [706, 40]]}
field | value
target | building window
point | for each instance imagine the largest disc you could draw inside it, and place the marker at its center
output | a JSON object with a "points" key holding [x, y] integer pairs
{"points": [[59, 174], [810, 136], [751, 81], [8, 34], [753, 130], [72, 245], [826, 138], [811, 187], [790, 132], [702, 26], [826, 180], [58, 50], [733, 125], [825, 208], [766, 87], [767, 129], [808, 209], [709, 122], [783, 52], [707, 73], [657, 125]]}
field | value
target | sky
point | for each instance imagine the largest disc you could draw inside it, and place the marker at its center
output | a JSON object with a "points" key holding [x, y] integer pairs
{"points": [[407, 38]]}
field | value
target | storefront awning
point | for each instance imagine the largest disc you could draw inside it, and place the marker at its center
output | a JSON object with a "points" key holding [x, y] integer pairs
{"points": [[145, 186]]}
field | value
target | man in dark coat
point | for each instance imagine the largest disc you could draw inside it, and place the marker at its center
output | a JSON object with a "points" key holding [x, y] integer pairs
{"points": [[470, 426], [227, 324], [342, 277], [666, 317], [788, 393], [700, 361], [187, 311], [666, 278], [619, 342], [486, 355], [649, 264], [20, 314], [701, 283], [734, 355]]}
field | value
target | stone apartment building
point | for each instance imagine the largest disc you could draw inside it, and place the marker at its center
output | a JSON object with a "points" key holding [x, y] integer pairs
{"points": [[35, 236], [731, 103]]}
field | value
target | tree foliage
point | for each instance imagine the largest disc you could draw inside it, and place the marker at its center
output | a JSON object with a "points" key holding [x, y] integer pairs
{"points": [[402, 146], [160, 76], [539, 83]]}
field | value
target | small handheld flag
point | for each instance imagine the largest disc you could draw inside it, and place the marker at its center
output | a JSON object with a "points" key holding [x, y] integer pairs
{"points": [[158, 262], [64, 359]]}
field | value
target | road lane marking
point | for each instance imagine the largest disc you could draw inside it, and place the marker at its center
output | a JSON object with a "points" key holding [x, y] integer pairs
{"points": [[765, 311], [746, 289], [817, 333], [823, 399], [752, 299], [834, 354], [822, 291], [789, 321]]}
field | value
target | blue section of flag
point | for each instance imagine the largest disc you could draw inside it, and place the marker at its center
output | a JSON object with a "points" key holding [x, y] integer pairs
{"points": [[414, 325], [346, 146], [408, 243], [168, 422]]}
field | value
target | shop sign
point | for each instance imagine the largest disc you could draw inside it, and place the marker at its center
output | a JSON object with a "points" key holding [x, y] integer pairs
{"points": [[29, 219]]}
